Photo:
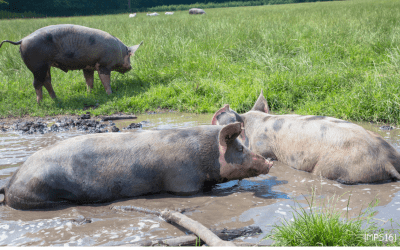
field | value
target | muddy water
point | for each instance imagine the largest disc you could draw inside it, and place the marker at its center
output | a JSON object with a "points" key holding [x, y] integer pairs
{"points": [[263, 201]]}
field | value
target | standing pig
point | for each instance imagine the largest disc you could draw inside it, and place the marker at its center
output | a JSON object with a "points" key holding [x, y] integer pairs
{"points": [[72, 47], [106, 167], [326, 146], [196, 11]]}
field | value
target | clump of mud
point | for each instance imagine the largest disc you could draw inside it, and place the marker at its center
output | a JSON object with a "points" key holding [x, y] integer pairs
{"points": [[386, 127], [59, 124], [133, 126]]}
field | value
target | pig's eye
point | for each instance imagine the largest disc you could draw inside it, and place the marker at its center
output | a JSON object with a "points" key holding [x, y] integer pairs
{"points": [[240, 149]]}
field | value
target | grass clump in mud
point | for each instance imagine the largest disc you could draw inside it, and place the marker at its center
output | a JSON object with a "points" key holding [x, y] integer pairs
{"points": [[324, 226]]}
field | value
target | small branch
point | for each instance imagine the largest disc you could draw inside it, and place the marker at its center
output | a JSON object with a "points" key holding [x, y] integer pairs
{"points": [[136, 209], [148, 211], [187, 240], [118, 117], [204, 233]]}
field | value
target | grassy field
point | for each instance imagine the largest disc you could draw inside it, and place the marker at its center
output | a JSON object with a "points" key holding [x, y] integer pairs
{"points": [[340, 59]]}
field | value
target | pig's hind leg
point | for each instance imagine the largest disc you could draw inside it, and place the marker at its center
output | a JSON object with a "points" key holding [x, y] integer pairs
{"points": [[42, 77], [48, 86], [89, 77]]}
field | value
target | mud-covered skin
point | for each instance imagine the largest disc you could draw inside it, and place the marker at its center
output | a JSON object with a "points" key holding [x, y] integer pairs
{"points": [[326, 146], [73, 47], [107, 167]]}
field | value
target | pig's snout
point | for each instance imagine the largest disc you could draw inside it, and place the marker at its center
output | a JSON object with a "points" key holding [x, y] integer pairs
{"points": [[261, 164], [269, 163], [126, 69]]}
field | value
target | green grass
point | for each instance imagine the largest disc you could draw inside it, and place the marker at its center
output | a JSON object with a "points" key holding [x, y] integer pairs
{"points": [[87, 8], [324, 225], [223, 5], [339, 58]]}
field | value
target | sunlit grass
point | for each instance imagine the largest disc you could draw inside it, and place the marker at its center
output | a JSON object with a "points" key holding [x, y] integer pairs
{"points": [[324, 225], [339, 59]]}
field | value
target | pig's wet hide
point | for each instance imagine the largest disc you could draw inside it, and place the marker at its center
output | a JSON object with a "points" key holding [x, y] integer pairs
{"points": [[89, 225]]}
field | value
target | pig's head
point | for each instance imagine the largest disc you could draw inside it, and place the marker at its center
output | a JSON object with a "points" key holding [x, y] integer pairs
{"points": [[236, 160], [225, 115], [126, 65]]}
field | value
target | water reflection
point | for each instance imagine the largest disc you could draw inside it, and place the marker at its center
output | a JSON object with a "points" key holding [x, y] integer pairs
{"points": [[262, 186]]}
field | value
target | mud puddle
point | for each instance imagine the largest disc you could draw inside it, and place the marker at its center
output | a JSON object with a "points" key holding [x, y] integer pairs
{"points": [[262, 201]]}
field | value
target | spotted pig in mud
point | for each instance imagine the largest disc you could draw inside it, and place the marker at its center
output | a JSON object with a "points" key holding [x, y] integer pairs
{"points": [[106, 167], [73, 47], [325, 146]]}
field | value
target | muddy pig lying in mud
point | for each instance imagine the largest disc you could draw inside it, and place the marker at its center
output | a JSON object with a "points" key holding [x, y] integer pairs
{"points": [[107, 167], [72, 47], [326, 146]]}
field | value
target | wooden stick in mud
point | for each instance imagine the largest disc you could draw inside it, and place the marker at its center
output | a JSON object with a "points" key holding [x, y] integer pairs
{"points": [[187, 240], [119, 117], [204, 233], [193, 240]]}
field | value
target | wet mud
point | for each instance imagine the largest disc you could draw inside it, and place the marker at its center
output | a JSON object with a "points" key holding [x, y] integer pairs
{"points": [[261, 201], [82, 123]]}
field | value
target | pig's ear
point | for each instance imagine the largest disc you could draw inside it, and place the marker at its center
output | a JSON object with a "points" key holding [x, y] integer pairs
{"points": [[261, 104], [222, 110], [132, 50], [229, 133]]}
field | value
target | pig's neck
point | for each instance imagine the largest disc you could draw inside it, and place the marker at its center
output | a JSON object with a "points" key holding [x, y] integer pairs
{"points": [[259, 139]]}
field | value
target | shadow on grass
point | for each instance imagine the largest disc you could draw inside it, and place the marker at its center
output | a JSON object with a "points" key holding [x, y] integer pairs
{"points": [[121, 88]]}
